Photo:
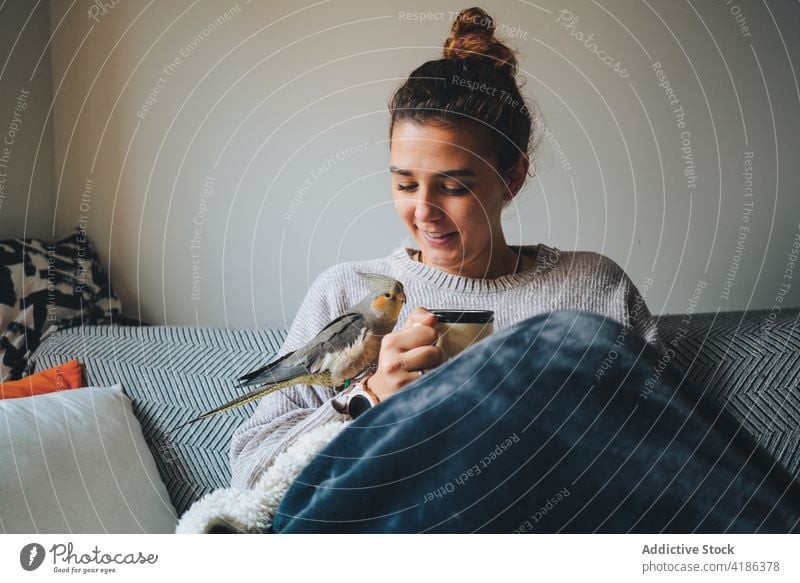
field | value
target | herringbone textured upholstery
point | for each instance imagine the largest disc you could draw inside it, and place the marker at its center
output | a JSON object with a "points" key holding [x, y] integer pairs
{"points": [[751, 364], [174, 373]]}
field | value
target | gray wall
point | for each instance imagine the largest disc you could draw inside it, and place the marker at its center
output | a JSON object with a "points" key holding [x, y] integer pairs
{"points": [[27, 191], [262, 159]]}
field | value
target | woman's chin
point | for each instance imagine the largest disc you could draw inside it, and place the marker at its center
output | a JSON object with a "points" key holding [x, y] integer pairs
{"points": [[439, 255], [452, 261]]}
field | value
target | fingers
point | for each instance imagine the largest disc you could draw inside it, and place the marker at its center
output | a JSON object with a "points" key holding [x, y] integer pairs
{"points": [[420, 358], [423, 358], [405, 352], [409, 338], [420, 315]]}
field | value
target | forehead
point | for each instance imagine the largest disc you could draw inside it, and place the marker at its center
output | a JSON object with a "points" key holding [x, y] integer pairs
{"points": [[432, 147]]}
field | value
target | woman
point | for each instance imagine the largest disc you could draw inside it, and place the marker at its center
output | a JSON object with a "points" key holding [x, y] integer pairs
{"points": [[461, 140]]}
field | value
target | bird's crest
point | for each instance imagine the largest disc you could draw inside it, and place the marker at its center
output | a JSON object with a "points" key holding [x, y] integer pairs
{"points": [[376, 281]]}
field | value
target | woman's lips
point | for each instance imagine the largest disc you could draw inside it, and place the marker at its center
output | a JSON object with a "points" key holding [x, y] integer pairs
{"points": [[439, 241]]}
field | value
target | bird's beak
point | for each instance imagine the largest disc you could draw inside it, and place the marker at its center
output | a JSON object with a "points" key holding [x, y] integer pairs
{"points": [[401, 295]]}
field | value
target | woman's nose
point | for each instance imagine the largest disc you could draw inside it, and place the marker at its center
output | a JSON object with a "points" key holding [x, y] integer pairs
{"points": [[426, 209]]}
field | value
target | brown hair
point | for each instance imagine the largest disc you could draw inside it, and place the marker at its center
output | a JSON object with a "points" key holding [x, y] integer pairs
{"points": [[475, 82]]}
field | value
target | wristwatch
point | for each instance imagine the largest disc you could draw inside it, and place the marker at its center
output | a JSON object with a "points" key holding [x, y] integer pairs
{"points": [[357, 400]]}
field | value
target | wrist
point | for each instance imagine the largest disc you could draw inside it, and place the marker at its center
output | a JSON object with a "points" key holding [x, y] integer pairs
{"points": [[375, 386]]}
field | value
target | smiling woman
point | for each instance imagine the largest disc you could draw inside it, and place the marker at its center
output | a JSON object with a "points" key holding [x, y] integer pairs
{"points": [[450, 197], [461, 141]]}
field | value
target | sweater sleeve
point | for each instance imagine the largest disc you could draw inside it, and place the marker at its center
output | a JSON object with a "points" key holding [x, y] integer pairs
{"points": [[638, 315], [622, 298], [282, 416]]}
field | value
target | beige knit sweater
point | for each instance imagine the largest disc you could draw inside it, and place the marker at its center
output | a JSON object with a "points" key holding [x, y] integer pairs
{"points": [[559, 280]]}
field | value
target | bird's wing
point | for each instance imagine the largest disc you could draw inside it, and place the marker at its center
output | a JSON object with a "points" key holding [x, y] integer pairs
{"points": [[336, 325], [246, 379], [335, 339], [339, 333]]}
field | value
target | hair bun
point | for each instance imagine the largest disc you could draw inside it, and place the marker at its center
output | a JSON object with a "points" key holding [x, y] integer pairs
{"points": [[472, 21], [472, 36]]}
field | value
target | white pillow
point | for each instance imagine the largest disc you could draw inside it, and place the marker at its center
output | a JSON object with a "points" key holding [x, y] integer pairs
{"points": [[76, 461]]}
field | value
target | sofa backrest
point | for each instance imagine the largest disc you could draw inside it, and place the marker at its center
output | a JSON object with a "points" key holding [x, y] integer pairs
{"points": [[173, 374], [750, 362]]}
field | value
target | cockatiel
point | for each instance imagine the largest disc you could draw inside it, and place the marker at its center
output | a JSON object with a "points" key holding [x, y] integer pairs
{"points": [[342, 350]]}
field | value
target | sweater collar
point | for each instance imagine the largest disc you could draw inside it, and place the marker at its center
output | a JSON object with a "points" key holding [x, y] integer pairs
{"points": [[546, 259]]}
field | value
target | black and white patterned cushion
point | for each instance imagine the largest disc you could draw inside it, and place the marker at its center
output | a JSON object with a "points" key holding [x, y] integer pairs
{"points": [[45, 287]]}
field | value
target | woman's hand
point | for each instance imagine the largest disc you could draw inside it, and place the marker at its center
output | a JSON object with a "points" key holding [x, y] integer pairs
{"points": [[403, 353]]}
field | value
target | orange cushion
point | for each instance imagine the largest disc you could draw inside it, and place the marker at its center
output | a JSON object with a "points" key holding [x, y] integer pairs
{"points": [[58, 378]]}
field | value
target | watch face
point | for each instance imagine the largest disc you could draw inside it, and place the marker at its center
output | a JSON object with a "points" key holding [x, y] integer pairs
{"points": [[358, 404]]}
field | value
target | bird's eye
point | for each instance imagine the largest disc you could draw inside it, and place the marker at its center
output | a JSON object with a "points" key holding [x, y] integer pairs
{"points": [[387, 295]]}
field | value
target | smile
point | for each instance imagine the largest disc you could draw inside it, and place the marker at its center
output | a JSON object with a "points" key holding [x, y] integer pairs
{"points": [[439, 238]]}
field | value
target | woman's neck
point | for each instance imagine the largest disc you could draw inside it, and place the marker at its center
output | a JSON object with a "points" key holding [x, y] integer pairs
{"points": [[511, 262]]}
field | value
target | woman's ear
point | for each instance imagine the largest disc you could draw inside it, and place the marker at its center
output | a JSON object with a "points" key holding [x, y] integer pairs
{"points": [[515, 177]]}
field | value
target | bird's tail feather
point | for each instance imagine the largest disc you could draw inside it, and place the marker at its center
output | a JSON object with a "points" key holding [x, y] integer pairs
{"points": [[257, 393]]}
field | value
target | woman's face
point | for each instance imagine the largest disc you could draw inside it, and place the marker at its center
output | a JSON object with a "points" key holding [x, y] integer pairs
{"points": [[444, 183]]}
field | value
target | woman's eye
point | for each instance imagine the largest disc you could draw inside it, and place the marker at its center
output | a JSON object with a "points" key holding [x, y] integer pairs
{"points": [[448, 190]]}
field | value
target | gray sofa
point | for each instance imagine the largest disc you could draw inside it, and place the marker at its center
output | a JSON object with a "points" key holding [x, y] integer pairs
{"points": [[749, 361]]}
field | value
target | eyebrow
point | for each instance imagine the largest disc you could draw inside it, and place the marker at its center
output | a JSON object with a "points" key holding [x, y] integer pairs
{"points": [[446, 173]]}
